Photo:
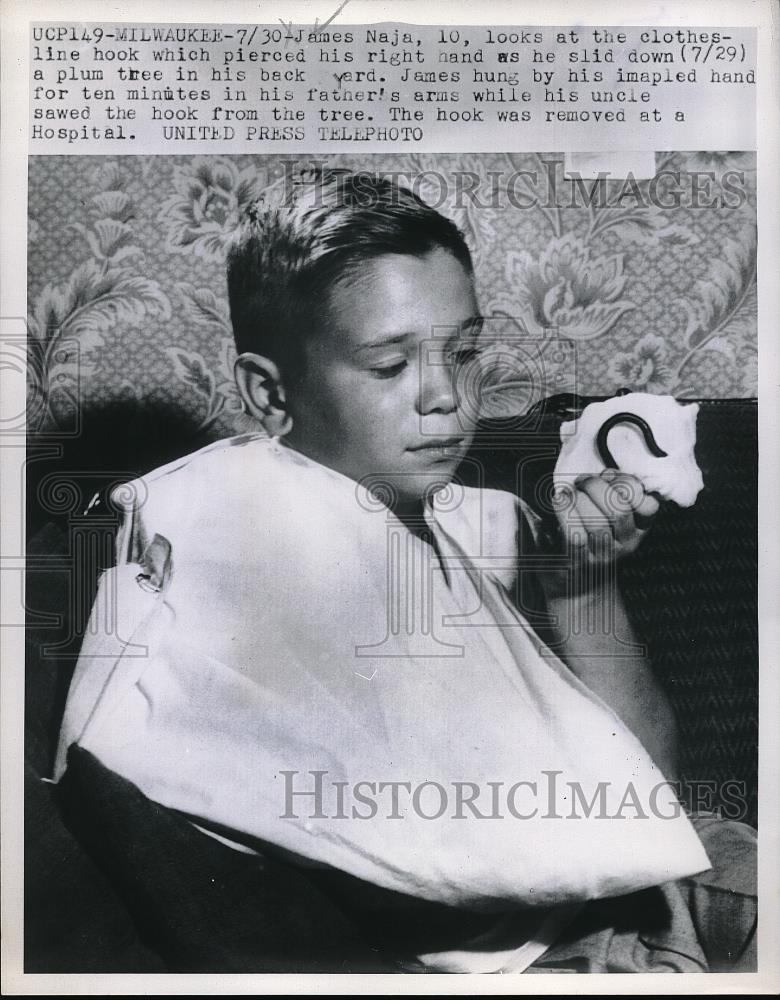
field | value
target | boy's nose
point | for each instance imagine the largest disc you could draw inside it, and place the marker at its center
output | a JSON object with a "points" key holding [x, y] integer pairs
{"points": [[437, 389]]}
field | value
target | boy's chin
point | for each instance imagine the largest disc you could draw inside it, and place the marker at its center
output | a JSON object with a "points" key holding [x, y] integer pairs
{"points": [[411, 489]]}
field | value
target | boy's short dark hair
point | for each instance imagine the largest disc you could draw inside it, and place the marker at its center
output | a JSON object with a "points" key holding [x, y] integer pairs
{"points": [[287, 255]]}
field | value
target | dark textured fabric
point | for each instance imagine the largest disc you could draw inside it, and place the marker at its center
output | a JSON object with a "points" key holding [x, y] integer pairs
{"points": [[74, 920], [692, 594], [63, 563], [201, 905]]}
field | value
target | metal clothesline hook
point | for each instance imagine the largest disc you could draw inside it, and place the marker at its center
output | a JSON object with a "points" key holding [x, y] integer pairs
{"points": [[625, 418]]}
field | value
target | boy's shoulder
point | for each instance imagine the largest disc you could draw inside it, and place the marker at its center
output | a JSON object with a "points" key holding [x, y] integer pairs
{"points": [[202, 461], [250, 463], [240, 491]]}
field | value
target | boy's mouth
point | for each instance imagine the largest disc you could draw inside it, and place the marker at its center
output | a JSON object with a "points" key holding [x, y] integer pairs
{"points": [[438, 445]]}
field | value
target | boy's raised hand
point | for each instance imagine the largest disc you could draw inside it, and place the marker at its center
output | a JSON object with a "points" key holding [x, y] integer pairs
{"points": [[601, 519], [607, 516]]}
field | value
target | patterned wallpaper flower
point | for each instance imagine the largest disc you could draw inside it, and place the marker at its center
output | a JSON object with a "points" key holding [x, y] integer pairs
{"points": [[645, 289]]}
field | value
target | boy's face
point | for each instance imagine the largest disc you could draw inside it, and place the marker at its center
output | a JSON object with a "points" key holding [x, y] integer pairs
{"points": [[377, 397]]}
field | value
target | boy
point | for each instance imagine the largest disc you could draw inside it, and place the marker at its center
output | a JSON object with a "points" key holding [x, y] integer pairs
{"points": [[316, 654]]}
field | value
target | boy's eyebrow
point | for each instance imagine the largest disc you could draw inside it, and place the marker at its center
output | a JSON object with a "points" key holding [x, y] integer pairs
{"points": [[397, 338], [473, 325]]}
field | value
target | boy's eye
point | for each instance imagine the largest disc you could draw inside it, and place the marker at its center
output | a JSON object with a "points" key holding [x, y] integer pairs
{"points": [[388, 371]]}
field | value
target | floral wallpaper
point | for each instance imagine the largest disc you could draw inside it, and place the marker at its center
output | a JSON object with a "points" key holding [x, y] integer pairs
{"points": [[127, 297]]}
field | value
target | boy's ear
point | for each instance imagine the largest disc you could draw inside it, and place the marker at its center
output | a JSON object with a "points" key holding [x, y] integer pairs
{"points": [[259, 383]]}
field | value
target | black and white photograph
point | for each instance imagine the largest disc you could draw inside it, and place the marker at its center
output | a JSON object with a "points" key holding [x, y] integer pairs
{"points": [[390, 523], [316, 628]]}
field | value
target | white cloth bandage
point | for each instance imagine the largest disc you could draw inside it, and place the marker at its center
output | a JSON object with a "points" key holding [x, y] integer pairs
{"points": [[675, 476]]}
